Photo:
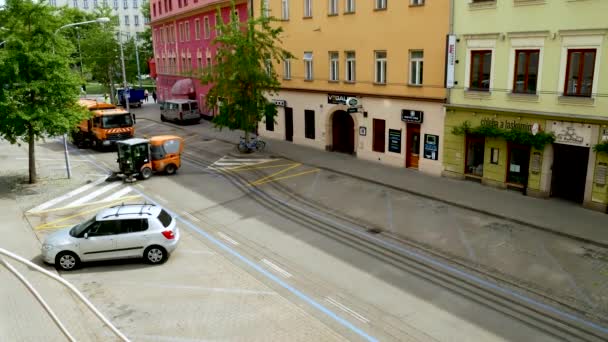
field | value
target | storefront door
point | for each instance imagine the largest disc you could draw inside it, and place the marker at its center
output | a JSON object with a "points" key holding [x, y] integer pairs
{"points": [[475, 147], [518, 157], [343, 131], [569, 172], [412, 156], [288, 124]]}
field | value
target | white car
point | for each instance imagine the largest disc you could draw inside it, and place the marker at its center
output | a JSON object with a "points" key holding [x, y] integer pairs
{"points": [[125, 231]]}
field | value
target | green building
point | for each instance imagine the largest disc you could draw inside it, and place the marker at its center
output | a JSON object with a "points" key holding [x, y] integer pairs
{"points": [[529, 105]]}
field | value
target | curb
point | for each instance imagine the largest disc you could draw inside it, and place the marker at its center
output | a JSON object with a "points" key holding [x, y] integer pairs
{"points": [[434, 198]]}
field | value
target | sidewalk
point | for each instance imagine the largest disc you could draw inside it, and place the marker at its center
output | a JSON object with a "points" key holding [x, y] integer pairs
{"points": [[560, 217]]}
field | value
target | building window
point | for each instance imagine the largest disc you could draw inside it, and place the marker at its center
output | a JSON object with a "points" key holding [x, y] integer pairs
{"points": [[136, 20], [53, 3], [579, 72], [309, 124], [128, 35], [146, 20], [115, 4], [270, 124], [379, 127], [75, 3], [85, 4], [307, 8], [333, 66], [349, 6], [105, 3], [287, 69], [126, 20], [197, 29], [285, 9], [416, 67], [308, 66], [481, 67], [187, 30], [206, 27], [218, 20], [380, 4], [185, 2], [125, 4], [350, 66], [180, 29], [208, 59], [199, 62], [380, 67], [179, 4], [526, 71], [154, 10], [333, 7], [135, 4], [268, 65], [416, 2], [266, 9]]}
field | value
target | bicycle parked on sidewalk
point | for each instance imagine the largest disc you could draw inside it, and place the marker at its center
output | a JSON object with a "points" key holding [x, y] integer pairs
{"points": [[254, 144]]}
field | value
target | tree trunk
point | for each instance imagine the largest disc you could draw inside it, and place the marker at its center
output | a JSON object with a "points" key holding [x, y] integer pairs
{"points": [[32, 155]]}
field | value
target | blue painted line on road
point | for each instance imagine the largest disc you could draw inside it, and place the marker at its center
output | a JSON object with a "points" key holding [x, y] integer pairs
{"points": [[269, 275]]}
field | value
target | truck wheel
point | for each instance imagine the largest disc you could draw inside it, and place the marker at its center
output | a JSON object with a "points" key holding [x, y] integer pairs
{"points": [[170, 169], [146, 173]]}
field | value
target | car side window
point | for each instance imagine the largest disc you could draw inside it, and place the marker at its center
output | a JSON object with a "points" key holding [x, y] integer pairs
{"points": [[133, 226], [185, 107], [104, 228]]}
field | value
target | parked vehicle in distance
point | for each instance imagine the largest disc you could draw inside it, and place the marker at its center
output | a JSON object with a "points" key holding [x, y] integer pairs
{"points": [[180, 111], [140, 157], [108, 125], [136, 97], [125, 231]]}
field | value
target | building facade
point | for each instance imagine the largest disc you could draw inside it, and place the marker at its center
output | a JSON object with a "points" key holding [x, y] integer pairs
{"points": [[392, 75], [522, 72], [182, 36], [132, 20]]}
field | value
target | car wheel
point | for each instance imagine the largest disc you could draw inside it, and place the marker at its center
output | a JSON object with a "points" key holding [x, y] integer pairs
{"points": [[162, 118], [170, 169], [146, 173], [155, 255], [66, 261]]}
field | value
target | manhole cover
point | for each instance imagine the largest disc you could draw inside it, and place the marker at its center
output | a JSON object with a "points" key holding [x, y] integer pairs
{"points": [[374, 231]]}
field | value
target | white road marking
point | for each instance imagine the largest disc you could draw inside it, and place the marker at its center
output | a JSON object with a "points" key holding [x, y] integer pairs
{"points": [[162, 199], [56, 159], [225, 162], [194, 251], [70, 194], [227, 238], [139, 185], [190, 216], [346, 309], [276, 268], [200, 288], [159, 338], [119, 194], [95, 194], [147, 126]]}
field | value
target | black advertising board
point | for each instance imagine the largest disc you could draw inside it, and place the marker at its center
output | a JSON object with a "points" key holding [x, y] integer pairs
{"points": [[431, 146], [412, 116], [337, 98], [394, 140]]}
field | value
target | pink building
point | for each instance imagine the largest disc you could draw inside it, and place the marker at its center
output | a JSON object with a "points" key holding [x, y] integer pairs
{"points": [[182, 34]]}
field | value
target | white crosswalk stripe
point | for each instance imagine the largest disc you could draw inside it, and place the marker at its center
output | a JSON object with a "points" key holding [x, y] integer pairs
{"points": [[228, 162], [94, 194]]}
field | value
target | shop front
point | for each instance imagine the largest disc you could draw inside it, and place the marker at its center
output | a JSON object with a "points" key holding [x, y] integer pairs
{"points": [[537, 155]]}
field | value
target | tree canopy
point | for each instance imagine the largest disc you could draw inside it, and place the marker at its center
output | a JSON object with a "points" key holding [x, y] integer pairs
{"points": [[242, 75]]}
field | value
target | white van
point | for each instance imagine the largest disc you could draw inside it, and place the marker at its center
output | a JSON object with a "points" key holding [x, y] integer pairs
{"points": [[180, 111]]}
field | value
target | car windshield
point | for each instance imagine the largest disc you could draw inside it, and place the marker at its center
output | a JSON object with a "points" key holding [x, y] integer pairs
{"points": [[124, 151], [115, 121], [79, 228]]}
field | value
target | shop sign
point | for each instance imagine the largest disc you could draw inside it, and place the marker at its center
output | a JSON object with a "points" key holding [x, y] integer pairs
{"points": [[570, 133], [510, 124], [338, 98], [431, 146], [352, 110], [279, 103], [394, 140], [412, 116], [363, 131], [604, 134], [450, 61]]}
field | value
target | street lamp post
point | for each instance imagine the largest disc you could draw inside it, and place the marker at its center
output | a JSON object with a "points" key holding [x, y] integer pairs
{"points": [[65, 136], [137, 60]]}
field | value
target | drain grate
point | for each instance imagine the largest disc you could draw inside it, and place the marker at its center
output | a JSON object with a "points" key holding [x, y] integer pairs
{"points": [[374, 231]]}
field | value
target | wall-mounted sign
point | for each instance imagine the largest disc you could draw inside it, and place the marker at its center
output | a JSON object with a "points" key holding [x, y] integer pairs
{"points": [[352, 102], [363, 131], [509, 124], [279, 103], [338, 98], [570, 133], [352, 110], [394, 140], [431, 146], [535, 128], [450, 61], [535, 163], [412, 116], [600, 174], [604, 134]]}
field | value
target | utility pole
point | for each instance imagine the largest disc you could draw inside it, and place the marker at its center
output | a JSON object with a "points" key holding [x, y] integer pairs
{"points": [[124, 74], [137, 59]]}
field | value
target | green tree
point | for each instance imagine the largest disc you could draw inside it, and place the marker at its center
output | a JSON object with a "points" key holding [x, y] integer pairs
{"points": [[242, 75], [38, 89]]}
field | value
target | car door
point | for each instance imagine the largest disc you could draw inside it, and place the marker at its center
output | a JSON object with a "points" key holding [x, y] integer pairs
{"points": [[99, 242], [133, 237]]}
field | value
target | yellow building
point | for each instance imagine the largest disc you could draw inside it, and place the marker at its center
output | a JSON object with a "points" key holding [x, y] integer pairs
{"points": [[386, 58]]}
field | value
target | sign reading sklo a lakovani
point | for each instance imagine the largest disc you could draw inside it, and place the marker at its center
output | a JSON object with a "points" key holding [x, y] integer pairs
{"points": [[338, 98], [412, 116], [507, 124]]}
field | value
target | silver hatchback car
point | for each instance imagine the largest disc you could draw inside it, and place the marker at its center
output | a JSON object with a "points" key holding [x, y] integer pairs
{"points": [[125, 231]]}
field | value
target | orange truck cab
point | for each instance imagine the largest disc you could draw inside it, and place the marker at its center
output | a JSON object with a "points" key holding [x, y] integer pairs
{"points": [[107, 125], [141, 157]]}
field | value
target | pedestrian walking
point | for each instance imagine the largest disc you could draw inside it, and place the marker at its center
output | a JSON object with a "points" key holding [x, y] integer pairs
{"points": [[146, 95], [154, 95]]}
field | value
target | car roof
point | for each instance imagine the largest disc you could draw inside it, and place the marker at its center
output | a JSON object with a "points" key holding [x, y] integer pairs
{"points": [[134, 141], [128, 211]]}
